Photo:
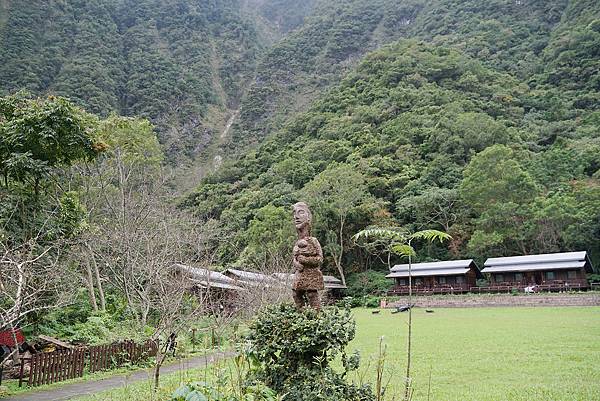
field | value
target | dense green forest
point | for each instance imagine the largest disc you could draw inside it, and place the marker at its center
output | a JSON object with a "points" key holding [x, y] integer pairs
{"points": [[484, 126], [168, 61], [479, 119]]}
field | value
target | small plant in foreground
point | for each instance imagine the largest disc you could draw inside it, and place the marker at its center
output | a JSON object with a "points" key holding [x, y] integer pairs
{"points": [[291, 352], [201, 391]]}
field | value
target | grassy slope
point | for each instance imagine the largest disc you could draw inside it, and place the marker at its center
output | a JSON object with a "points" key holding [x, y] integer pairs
{"points": [[512, 354], [492, 353]]}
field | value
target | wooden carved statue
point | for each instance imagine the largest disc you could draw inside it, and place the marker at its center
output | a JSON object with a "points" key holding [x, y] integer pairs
{"points": [[308, 256]]}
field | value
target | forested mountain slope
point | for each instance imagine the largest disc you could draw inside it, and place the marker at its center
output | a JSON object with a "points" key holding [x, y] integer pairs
{"points": [[506, 35], [422, 105], [169, 61], [187, 64], [434, 135]]}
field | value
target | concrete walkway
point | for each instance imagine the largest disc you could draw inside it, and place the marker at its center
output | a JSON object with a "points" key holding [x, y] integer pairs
{"points": [[69, 391]]}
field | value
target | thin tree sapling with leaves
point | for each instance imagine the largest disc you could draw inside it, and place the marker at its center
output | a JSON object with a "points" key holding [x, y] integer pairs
{"points": [[399, 242]]}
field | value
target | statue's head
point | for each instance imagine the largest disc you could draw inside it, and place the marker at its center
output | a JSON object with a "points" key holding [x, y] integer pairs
{"points": [[302, 215]]}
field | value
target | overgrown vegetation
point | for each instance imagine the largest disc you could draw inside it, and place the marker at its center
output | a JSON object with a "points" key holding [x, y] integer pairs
{"points": [[293, 351], [425, 137], [478, 120]]}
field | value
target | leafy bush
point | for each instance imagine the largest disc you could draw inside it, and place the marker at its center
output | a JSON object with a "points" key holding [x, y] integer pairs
{"points": [[201, 391], [368, 283], [593, 278], [372, 302], [361, 302], [292, 351]]}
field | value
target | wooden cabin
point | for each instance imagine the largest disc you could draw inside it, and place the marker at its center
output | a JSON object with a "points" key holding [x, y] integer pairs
{"points": [[252, 279], [216, 288], [451, 276], [553, 271], [333, 286]]}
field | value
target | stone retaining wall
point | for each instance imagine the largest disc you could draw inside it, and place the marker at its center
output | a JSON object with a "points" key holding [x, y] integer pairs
{"points": [[466, 301]]}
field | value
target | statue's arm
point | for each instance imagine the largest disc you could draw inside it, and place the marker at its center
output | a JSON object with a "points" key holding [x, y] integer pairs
{"points": [[312, 256], [310, 261]]}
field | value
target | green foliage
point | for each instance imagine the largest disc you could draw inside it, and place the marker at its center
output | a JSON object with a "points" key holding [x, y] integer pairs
{"points": [[293, 351], [496, 176], [133, 139], [163, 60], [482, 124], [37, 135], [454, 136], [39, 139], [398, 241], [367, 283], [269, 235], [201, 391], [593, 278]]}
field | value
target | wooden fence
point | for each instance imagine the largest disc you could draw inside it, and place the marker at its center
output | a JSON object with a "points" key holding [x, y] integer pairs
{"points": [[52, 367], [102, 357]]}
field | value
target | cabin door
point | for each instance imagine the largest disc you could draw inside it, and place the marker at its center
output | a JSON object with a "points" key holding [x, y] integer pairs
{"points": [[529, 278], [538, 277]]}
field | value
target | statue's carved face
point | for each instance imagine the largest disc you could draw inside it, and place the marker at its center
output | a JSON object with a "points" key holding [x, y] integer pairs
{"points": [[302, 215]]}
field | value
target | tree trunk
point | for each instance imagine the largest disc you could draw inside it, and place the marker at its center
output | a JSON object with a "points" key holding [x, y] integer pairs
{"points": [[407, 387], [89, 282], [99, 284], [160, 358], [339, 259], [15, 353]]}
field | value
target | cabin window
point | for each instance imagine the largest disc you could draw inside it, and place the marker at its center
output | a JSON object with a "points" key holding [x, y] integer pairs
{"points": [[571, 274], [418, 281], [499, 278], [460, 279], [549, 275], [442, 280], [518, 276], [402, 281]]}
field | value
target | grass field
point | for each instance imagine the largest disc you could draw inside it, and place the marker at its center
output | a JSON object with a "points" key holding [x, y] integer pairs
{"points": [[479, 354], [494, 354]]}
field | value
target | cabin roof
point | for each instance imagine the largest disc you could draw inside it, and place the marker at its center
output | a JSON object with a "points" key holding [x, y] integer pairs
{"points": [[247, 276], [216, 284], [200, 273], [330, 282], [206, 278], [548, 261], [444, 268]]}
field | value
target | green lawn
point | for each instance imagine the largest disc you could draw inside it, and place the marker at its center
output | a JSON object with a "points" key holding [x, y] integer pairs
{"points": [[483, 354], [491, 353]]}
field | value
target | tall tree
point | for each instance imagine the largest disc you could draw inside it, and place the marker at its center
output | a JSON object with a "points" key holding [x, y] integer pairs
{"points": [[338, 191], [500, 192]]}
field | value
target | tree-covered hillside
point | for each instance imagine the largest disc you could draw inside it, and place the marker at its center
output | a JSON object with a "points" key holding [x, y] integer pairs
{"points": [[479, 118], [423, 135], [165, 60], [506, 35], [190, 65]]}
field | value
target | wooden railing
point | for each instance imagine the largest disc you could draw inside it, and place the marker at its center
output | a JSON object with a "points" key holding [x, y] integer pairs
{"points": [[504, 287], [552, 285], [103, 357], [422, 290], [56, 366], [52, 367]]}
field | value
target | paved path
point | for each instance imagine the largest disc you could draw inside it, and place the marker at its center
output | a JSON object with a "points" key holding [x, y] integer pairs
{"points": [[69, 391]]}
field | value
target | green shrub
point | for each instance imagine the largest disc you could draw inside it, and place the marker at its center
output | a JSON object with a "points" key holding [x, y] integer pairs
{"points": [[372, 302], [201, 391], [292, 351], [368, 283]]}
